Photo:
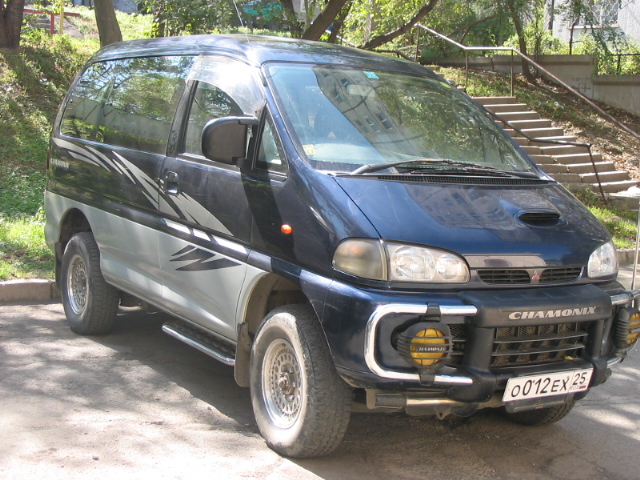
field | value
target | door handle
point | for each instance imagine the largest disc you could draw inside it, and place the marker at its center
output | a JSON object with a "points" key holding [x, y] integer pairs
{"points": [[171, 183]]}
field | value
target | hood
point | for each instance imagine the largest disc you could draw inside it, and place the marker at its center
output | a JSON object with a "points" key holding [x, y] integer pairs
{"points": [[540, 221]]}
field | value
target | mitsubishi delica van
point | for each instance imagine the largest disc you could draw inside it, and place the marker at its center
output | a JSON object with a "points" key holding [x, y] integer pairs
{"points": [[336, 225]]}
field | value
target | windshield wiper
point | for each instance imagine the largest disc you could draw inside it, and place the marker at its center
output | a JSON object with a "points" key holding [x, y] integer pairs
{"points": [[444, 166]]}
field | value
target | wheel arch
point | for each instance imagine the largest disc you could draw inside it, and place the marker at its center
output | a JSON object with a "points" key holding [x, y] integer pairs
{"points": [[269, 292], [74, 221]]}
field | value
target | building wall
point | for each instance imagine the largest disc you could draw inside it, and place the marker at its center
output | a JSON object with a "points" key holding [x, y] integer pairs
{"points": [[629, 20]]}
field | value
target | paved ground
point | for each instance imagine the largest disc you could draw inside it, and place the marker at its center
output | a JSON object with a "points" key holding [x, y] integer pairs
{"points": [[138, 404]]}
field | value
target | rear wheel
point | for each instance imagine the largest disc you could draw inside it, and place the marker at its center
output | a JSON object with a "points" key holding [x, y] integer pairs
{"points": [[301, 404], [542, 416], [89, 302]]}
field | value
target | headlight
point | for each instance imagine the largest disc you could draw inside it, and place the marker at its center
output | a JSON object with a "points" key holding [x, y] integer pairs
{"points": [[603, 262], [426, 265], [399, 263]]}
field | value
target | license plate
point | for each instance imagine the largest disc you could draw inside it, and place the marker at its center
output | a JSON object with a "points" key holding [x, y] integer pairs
{"points": [[547, 384]]}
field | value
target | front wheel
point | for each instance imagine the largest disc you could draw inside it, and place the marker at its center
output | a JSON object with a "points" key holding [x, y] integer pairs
{"points": [[301, 405], [89, 302]]}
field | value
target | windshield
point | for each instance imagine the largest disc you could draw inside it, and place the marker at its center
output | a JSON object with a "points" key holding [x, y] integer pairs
{"points": [[346, 118]]}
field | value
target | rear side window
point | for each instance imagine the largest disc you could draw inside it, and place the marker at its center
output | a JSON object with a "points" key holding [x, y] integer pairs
{"points": [[128, 103]]}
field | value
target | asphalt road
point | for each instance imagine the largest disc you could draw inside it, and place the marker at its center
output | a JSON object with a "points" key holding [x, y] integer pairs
{"points": [[137, 404]]}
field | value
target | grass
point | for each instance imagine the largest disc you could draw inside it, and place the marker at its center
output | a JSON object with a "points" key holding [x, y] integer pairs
{"points": [[34, 81], [23, 252]]}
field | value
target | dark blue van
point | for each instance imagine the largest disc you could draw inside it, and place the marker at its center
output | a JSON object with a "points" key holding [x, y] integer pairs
{"points": [[337, 225]]}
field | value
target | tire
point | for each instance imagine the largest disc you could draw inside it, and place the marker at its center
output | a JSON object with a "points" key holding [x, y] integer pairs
{"points": [[300, 403], [542, 416], [89, 302]]}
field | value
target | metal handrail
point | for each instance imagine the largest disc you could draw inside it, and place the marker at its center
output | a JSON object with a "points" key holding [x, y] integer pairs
{"points": [[557, 80], [555, 142]]}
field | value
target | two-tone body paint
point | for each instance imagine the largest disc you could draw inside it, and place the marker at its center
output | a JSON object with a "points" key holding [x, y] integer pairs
{"points": [[195, 237]]}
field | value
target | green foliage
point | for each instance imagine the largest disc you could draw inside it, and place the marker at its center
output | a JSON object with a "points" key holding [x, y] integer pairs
{"points": [[33, 82], [608, 61], [23, 252], [620, 223], [189, 17]]}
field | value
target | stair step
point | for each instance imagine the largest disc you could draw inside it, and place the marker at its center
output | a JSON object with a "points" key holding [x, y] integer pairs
{"points": [[551, 149], [613, 187], [515, 116], [588, 167], [605, 177], [563, 138], [214, 347], [495, 100], [537, 124], [543, 159], [521, 141], [553, 168], [531, 149], [537, 133], [508, 107], [578, 158], [566, 163]]}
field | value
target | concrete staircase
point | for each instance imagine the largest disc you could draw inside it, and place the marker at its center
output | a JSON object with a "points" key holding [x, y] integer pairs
{"points": [[567, 164]]}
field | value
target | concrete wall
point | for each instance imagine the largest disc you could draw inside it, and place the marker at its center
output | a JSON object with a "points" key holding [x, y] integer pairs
{"points": [[578, 71]]}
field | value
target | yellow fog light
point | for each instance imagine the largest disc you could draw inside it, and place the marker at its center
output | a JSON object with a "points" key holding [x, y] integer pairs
{"points": [[425, 345], [633, 332], [627, 331]]}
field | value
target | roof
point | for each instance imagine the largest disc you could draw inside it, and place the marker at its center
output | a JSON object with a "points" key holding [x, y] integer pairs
{"points": [[254, 50]]}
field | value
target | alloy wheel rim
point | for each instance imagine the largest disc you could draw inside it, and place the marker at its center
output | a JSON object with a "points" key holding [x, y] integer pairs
{"points": [[282, 384], [77, 285]]}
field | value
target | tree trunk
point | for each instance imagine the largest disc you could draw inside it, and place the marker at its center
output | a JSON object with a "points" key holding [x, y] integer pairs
{"points": [[10, 23], [108, 27], [522, 42], [387, 37], [322, 21], [339, 22]]}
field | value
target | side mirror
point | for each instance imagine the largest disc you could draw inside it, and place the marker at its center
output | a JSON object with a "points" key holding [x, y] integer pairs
{"points": [[225, 139]]}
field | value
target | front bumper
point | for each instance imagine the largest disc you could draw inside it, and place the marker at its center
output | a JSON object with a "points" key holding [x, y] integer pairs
{"points": [[364, 355]]}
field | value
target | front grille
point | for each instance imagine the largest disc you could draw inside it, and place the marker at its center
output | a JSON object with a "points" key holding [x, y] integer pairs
{"points": [[529, 276], [530, 345], [505, 277], [537, 344], [555, 275]]}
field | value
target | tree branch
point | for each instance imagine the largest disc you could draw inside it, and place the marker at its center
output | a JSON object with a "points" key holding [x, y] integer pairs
{"points": [[387, 37], [322, 21]]}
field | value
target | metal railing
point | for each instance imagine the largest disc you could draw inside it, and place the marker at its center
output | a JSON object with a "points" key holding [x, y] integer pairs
{"points": [[549, 75], [555, 142], [536, 65]]}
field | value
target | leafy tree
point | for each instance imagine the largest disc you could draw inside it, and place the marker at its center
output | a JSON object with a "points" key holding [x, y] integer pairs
{"points": [[190, 17], [10, 23]]}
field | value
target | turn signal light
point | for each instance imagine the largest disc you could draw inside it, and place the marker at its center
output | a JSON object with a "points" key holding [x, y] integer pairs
{"points": [[425, 345]]}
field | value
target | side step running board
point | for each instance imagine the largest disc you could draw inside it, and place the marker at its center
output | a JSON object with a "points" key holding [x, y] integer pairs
{"points": [[207, 344]]}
